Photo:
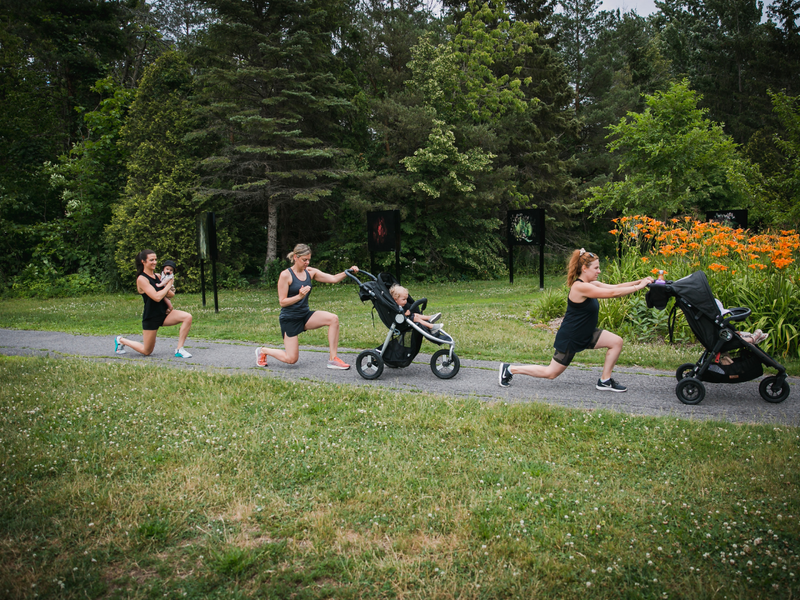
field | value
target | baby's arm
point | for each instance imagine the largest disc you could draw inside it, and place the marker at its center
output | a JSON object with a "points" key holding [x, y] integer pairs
{"points": [[169, 305]]}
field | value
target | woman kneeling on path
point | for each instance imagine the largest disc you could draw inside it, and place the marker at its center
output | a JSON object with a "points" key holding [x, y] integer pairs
{"points": [[579, 330], [294, 288], [156, 312]]}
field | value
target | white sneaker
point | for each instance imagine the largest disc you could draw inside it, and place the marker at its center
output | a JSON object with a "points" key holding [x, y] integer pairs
{"points": [[182, 353], [118, 347], [435, 328], [434, 318]]}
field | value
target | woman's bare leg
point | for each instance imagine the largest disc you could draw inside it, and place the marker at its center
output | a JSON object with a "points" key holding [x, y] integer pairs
{"points": [[146, 348], [551, 371], [289, 355], [182, 317], [323, 318], [614, 344]]}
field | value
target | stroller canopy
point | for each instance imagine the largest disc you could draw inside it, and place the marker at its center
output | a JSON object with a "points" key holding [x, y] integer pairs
{"points": [[694, 297]]}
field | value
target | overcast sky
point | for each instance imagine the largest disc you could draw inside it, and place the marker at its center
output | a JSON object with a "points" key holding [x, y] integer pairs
{"points": [[642, 7]]}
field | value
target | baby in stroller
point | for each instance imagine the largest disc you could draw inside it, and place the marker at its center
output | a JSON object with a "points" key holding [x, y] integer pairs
{"points": [[407, 328], [729, 356], [400, 295]]}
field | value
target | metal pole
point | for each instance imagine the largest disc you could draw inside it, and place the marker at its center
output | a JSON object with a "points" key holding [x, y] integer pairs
{"points": [[203, 281], [214, 281]]}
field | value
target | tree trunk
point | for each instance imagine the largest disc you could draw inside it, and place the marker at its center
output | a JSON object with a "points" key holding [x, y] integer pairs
{"points": [[272, 230]]}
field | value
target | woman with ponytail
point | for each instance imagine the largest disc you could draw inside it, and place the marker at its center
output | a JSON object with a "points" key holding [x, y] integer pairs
{"points": [[294, 288], [579, 330]]}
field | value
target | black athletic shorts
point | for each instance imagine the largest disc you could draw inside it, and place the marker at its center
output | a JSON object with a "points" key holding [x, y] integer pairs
{"points": [[294, 326], [564, 358], [153, 324]]}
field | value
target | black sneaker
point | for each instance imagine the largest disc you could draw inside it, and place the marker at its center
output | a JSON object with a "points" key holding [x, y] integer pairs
{"points": [[505, 375], [610, 386]]}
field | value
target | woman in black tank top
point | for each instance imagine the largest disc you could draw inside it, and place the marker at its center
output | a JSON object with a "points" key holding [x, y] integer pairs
{"points": [[156, 311], [294, 287], [579, 330]]}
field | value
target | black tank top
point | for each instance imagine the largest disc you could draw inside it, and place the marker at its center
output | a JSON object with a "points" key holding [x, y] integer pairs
{"points": [[577, 328], [298, 309], [153, 310]]}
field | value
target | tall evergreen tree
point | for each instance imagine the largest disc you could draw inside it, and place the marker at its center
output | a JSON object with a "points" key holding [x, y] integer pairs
{"points": [[723, 48], [159, 204], [268, 80]]}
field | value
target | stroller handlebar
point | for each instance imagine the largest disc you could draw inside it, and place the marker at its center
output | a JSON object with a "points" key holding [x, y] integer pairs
{"points": [[351, 275], [421, 304], [739, 313]]}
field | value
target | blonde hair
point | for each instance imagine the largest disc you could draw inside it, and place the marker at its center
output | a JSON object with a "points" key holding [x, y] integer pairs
{"points": [[299, 250], [579, 259], [397, 290]]}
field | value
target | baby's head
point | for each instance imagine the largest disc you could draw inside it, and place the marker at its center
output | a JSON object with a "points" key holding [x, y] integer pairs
{"points": [[399, 293], [168, 268]]}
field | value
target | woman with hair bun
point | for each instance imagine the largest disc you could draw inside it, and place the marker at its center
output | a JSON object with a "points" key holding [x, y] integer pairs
{"points": [[294, 288], [579, 330]]}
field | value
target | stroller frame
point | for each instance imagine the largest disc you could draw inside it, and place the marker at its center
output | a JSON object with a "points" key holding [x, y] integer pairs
{"points": [[717, 333], [444, 363]]}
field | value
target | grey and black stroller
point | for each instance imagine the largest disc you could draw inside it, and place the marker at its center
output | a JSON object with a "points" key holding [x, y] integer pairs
{"points": [[716, 331], [404, 338]]}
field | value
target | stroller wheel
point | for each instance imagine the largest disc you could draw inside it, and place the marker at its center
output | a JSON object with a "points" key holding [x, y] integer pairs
{"points": [[369, 364], [690, 391], [772, 394], [684, 371], [442, 366]]}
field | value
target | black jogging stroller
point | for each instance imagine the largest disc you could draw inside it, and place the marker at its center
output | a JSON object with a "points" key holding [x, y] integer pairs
{"points": [[404, 338], [716, 331]]}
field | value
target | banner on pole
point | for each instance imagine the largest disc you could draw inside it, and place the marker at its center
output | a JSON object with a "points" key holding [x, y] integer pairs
{"points": [[383, 230]]}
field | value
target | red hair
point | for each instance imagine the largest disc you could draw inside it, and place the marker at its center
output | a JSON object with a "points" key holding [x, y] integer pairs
{"points": [[578, 260]]}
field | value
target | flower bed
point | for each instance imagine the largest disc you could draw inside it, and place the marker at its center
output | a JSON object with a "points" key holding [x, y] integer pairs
{"points": [[759, 271]]}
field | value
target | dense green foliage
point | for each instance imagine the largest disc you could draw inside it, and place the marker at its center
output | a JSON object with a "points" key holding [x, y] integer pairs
{"points": [[292, 120], [675, 161]]}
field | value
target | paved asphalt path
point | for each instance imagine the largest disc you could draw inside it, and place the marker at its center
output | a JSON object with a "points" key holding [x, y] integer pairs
{"points": [[650, 392]]}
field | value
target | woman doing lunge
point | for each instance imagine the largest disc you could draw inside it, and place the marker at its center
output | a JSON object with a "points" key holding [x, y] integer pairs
{"points": [[156, 311], [294, 288], [579, 330]]}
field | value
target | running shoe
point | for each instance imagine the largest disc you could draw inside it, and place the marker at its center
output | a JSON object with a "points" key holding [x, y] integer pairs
{"points": [[118, 347], [610, 386], [434, 318], [505, 375], [261, 358], [436, 328], [338, 363], [182, 353]]}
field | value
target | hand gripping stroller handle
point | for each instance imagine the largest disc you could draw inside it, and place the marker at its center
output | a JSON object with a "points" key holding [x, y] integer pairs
{"points": [[351, 275]]}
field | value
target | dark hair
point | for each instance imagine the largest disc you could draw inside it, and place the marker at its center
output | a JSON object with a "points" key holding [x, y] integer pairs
{"points": [[139, 260], [577, 261]]}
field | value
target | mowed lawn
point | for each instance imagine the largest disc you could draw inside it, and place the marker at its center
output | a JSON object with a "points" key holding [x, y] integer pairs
{"points": [[133, 481], [129, 481]]}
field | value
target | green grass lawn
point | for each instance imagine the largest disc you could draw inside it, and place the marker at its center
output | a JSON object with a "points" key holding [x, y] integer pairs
{"points": [[132, 481], [488, 319]]}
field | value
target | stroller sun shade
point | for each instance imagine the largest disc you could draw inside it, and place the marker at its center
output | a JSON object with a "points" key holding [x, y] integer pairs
{"points": [[694, 297]]}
